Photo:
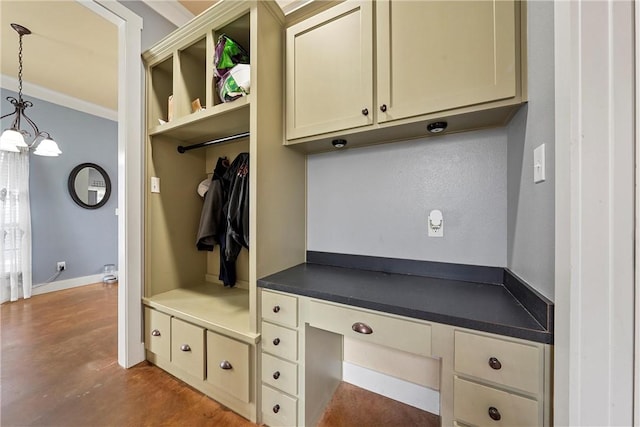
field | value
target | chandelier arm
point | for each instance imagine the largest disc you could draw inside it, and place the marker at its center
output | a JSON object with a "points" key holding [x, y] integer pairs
{"points": [[36, 132]]}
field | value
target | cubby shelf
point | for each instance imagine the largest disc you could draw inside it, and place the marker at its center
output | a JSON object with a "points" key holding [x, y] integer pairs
{"points": [[221, 120]]}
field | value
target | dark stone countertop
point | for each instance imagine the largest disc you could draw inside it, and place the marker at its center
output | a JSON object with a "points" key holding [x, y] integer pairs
{"points": [[479, 306]]}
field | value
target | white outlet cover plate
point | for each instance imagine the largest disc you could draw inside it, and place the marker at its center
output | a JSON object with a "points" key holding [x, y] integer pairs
{"points": [[538, 164]]}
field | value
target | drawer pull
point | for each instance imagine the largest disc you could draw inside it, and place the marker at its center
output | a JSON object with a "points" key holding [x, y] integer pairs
{"points": [[155, 333], [276, 308], [365, 112], [276, 341], [276, 375], [495, 363], [185, 347], [383, 108], [276, 409], [362, 328], [494, 414], [225, 365]]}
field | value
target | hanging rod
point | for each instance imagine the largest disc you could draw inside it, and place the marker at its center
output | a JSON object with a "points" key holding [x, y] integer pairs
{"points": [[182, 149]]}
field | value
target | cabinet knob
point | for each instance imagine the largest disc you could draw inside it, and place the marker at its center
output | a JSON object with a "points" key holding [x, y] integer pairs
{"points": [[362, 328], [276, 375], [276, 341], [276, 409], [225, 365], [155, 333], [276, 309], [365, 112], [185, 347], [383, 108], [495, 363], [494, 414]]}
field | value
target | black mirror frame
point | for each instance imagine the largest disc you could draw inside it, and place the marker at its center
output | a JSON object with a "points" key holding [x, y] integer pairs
{"points": [[72, 187]]}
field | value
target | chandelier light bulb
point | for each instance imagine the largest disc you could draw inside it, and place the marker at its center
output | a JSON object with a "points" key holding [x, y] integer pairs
{"points": [[48, 148], [10, 140]]}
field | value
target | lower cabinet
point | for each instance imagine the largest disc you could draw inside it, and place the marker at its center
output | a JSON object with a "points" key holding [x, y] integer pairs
{"points": [[219, 366], [485, 379]]}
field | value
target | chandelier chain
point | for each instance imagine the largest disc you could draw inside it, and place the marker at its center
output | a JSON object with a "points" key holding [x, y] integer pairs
{"points": [[20, 68]]}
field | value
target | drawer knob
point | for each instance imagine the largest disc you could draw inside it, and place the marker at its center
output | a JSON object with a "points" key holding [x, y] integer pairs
{"points": [[225, 365], [494, 414], [365, 112], [276, 375], [155, 333], [185, 347], [362, 328], [276, 309], [495, 363], [276, 409], [276, 341], [383, 108]]}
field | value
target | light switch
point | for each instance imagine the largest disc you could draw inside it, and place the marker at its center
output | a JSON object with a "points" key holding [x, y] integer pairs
{"points": [[538, 164], [155, 184]]}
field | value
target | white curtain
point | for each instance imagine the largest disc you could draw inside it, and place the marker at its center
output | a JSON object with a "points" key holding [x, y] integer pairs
{"points": [[15, 225]]}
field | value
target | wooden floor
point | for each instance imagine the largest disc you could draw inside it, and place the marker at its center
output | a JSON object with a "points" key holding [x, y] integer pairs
{"points": [[58, 367]]}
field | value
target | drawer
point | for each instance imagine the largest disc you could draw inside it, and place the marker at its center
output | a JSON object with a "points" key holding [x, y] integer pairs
{"points": [[280, 341], [157, 333], [278, 308], [514, 365], [473, 402], [278, 409], [228, 365], [389, 331], [280, 374], [187, 347]]}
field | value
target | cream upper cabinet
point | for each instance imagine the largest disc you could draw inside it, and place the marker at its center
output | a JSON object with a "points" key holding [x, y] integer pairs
{"points": [[329, 68], [439, 55], [377, 71]]}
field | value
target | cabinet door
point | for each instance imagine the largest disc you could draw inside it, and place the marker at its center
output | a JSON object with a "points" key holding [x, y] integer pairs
{"points": [[439, 55], [329, 71]]}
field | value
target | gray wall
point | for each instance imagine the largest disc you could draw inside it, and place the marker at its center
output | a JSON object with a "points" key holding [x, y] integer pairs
{"points": [[531, 209], [155, 26], [61, 230], [375, 200]]}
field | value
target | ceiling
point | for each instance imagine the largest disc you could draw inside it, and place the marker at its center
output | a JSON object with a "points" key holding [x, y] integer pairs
{"points": [[71, 50]]}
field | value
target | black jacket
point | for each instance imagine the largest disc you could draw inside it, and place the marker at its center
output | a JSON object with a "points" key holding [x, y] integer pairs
{"points": [[213, 218], [237, 207]]}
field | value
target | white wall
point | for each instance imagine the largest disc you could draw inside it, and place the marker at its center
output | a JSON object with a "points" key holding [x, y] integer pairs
{"points": [[375, 200]]}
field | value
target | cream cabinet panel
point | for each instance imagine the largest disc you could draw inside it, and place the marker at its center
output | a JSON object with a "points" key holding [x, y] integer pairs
{"points": [[280, 374], [157, 333], [500, 361], [439, 55], [405, 335], [329, 65], [228, 365], [278, 409], [187, 347], [278, 308], [280, 341], [485, 406]]}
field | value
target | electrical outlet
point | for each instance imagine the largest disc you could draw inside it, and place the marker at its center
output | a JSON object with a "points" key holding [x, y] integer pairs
{"points": [[61, 266]]}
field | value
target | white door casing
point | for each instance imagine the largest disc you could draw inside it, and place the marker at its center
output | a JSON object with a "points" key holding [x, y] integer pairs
{"points": [[130, 182], [594, 279]]}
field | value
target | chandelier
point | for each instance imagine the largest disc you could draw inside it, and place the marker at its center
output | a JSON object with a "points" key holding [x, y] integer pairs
{"points": [[13, 139]]}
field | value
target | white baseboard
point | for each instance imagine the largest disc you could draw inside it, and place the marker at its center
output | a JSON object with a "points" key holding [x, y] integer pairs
{"points": [[60, 285], [403, 391]]}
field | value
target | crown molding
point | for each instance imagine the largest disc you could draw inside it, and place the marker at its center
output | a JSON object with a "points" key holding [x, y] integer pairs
{"points": [[172, 11], [58, 98]]}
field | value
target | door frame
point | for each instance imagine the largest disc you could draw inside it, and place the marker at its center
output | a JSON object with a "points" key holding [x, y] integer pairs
{"points": [[130, 182]]}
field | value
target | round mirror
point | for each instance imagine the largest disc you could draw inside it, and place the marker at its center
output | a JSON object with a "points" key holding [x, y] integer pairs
{"points": [[89, 185]]}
